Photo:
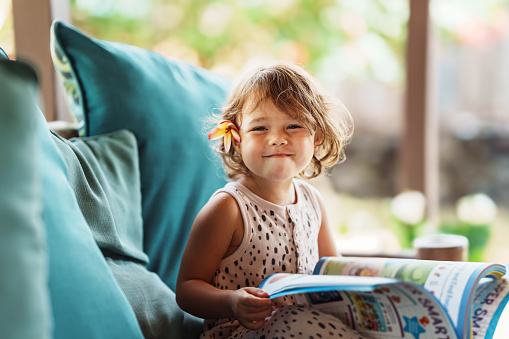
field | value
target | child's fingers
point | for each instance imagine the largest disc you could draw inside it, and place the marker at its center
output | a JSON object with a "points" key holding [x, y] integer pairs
{"points": [[258, 309], [256, 292], [256, 297], [251, 309], [257, 305]]}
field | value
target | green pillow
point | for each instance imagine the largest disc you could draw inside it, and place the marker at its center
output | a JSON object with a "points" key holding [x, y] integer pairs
{"points": [[153, 302], [24, 296], [114, 86], [85, 300], [104, 175]]}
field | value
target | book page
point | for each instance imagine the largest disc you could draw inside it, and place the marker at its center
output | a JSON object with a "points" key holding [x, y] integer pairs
{"points": [[376, 307], [280, 284], [489, 303], [453, 283], [397, 310]]}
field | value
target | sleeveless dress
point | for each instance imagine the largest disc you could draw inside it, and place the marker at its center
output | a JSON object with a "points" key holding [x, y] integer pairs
{"points": [[276, 239]]}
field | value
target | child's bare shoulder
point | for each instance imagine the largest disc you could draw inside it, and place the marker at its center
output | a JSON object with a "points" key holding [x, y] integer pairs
{"points": [[221, 209], [223, 202]]}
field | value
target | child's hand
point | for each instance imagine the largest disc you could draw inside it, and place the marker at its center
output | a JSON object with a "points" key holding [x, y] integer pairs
{"points": [[251, 306]]}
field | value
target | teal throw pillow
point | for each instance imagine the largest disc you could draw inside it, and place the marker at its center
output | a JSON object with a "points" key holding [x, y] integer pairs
{"points": [[104, 175], [24, 297], [85, 300], [114, 86]]}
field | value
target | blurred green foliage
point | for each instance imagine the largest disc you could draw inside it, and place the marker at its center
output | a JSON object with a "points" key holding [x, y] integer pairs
{"points": [[227, 34], [337, 39]]}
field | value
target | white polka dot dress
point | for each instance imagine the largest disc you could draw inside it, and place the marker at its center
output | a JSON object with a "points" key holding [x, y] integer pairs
{"points": [[276, 239]]}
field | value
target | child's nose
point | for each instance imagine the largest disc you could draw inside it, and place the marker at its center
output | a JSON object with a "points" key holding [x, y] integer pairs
{"points": [[278, 140]]}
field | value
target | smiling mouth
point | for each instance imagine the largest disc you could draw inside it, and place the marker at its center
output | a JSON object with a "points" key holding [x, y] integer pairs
{"points": [[278, 155]]}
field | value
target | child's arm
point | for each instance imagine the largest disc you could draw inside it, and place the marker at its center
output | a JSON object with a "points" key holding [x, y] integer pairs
{"points": [[326, 243], [216, 226]]}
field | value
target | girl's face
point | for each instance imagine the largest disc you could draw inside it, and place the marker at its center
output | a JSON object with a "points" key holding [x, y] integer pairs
{"points": [[274, 146]]}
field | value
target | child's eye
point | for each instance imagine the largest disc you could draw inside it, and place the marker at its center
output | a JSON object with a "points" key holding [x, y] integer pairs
{"points": [[294, 126], [259, 128]]}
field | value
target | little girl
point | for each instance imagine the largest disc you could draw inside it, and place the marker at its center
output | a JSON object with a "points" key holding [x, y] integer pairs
{"points": [[278, 124]]}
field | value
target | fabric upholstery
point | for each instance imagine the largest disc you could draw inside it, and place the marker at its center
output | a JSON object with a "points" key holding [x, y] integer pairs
{"points": [[115, 86], [153, 302], [85, 300], [104, 175], [25, 311]]}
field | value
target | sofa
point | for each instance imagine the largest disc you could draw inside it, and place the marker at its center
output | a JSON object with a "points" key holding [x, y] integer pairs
{"points": [[92, 228]]}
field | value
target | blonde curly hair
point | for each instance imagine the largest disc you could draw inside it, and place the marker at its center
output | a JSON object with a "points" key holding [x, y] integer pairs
{"points": [[295, 92]]}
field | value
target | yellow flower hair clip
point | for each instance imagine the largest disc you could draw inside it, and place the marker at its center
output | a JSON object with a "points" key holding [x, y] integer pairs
{"points": [[227, 129]]}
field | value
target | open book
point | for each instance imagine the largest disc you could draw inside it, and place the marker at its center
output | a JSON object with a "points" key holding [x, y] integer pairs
{"points": [[402, 298]]}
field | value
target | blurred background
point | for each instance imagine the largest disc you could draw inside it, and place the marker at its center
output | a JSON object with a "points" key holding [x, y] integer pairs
{"points": [[357, 49]]}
